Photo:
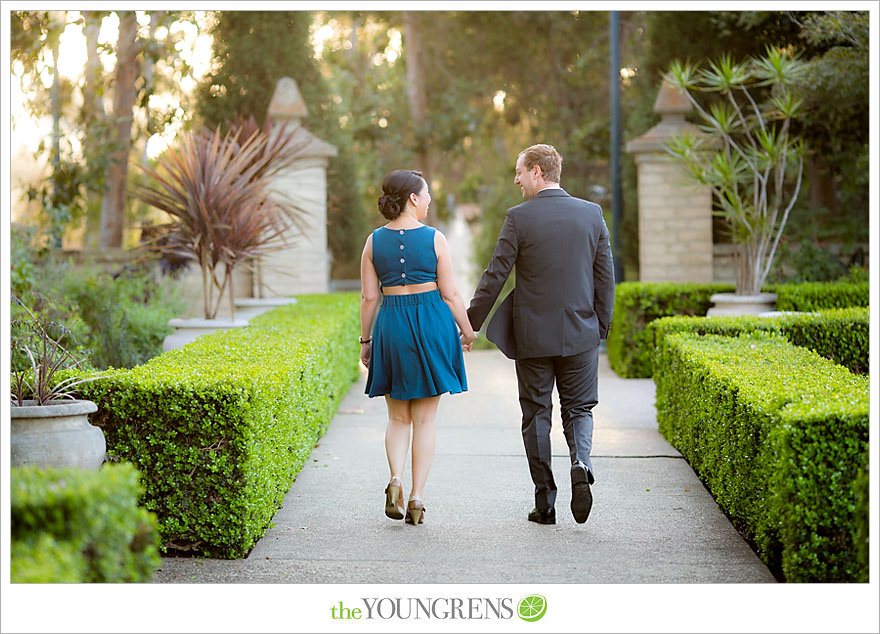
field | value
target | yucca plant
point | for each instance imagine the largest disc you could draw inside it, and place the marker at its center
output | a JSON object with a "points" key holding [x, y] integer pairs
{"points": [[217, 189], [748, 154]]}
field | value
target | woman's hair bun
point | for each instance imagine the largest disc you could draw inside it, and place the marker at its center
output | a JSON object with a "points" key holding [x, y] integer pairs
{"points": [[389, 206], [397, 187]]}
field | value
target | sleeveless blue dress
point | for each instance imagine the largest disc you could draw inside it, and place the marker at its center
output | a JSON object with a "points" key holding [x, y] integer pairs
{"points": [[416, 347]]}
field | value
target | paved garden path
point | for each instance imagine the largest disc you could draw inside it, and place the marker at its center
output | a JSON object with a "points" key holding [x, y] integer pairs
{"points": [[652, 520]]}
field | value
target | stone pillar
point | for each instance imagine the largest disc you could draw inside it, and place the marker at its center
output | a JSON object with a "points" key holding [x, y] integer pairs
{"points": [[675, 213], [304, 266]]}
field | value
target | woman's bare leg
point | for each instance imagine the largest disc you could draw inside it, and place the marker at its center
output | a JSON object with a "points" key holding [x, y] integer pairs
{"points": [[424, 413], [397, 434]]}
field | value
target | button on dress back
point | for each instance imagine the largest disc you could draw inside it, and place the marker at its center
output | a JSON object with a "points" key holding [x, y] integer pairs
{"points": [[404, 256], [416, 347]]}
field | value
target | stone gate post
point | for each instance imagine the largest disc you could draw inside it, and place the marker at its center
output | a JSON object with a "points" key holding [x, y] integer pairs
{"points": [[304, 266], [675, 214]]}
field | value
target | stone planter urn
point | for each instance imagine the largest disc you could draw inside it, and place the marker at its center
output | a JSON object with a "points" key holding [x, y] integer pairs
{"points": [[733, 304], [56, 435], [188, 330]]}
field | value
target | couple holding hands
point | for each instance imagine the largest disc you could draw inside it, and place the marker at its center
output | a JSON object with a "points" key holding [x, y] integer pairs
{"points": [[414, 325]]}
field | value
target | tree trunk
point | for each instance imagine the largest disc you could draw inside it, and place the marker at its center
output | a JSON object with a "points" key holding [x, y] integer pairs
{"points": [[93, 112], [57, 21], [415, 89], [822, 189], [124, 95], [155, 16], [353, 38], [93, 107]]}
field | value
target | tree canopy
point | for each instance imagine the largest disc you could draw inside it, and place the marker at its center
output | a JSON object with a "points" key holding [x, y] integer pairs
{"points": [[490, 83]]}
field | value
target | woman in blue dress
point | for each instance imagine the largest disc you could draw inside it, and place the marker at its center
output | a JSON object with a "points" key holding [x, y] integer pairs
{"points": [[409, 341]]}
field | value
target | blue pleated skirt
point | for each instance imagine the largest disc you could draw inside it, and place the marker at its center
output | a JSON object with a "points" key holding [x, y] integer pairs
{"points": [[416, 349]]}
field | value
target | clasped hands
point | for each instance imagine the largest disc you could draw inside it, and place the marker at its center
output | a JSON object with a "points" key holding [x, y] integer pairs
{"points": [[467, 341]]}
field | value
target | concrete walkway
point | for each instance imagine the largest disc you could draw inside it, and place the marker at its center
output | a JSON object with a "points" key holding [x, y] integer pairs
{"points": [[652, 520]]}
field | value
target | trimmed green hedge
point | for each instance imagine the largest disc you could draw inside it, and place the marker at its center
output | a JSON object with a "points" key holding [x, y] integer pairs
{"points": [[221, 427], [861, 529], [779, 436], [812, 296], [76, 525], [636, 304], [841, 335], [43, 559]]}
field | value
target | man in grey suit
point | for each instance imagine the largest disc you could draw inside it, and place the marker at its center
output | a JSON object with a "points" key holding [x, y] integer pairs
{"points": [[553, 320]]}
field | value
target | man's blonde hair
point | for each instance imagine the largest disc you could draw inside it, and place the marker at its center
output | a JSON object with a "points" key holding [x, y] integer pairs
{"points": [[547, 158]]}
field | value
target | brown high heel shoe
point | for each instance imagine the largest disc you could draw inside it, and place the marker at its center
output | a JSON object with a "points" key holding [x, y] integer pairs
{"points": [[394, 499], [415, 512]]}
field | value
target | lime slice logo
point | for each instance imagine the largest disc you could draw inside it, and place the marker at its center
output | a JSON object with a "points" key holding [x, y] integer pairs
{"points": [[532, 607]]}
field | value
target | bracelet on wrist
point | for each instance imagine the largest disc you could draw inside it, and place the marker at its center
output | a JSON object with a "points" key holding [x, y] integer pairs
{"points": [[361, 340]]}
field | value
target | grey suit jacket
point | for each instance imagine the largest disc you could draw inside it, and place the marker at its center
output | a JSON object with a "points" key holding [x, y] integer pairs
{"points": [[564, 296]]}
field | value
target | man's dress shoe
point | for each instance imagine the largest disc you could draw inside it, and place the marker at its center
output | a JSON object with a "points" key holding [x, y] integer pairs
{"points": [[581, 497], [543, 517]]}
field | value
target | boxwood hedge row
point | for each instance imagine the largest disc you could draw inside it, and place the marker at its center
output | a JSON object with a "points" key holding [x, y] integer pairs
{"points": [[636, 304], [841, 335], [779, 435], [221, 427], [76, 525], [810, 296]]}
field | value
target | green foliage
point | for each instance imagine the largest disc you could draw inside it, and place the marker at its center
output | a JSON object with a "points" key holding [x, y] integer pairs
{"points": [[833, 116], [127, 314], [46, 560], [22, 274], [369, 127], [495, 196], [840, 335], [221, 427], [861, 526], [823, 447], [821, 241], [29, 30], [60, 317], [748, 154], [40, 350], [61, 200], [809, 261], [779, 435], [347, 225], [836, 105], [636, 304], [697, 36], [76, 525], [35, 39], [565, 104], [563, 100], [821, 295], [252, 50], [78, 166], [855, 275], [118, 319], [468, 59]]}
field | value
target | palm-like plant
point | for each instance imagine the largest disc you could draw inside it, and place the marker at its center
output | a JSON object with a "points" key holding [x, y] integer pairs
{"points": [[217, 189], [749, 156]]}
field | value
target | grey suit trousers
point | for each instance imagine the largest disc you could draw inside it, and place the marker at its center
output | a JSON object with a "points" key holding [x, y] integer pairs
{"points": [[576, 379]]}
